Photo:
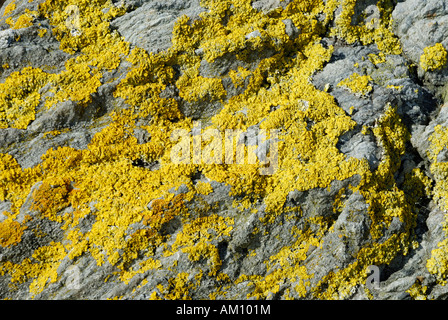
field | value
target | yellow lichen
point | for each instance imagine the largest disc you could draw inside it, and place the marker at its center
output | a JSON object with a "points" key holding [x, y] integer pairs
{"points": [[239, 76], [287, 263], [48, 259], [195, 239], [42, 32], [177, 289], [196, 88], [377, 58], [417, 291], [439, 142], [378, 32], [10, 232], [149, 264], [398, 88], [23, 21], [9, 8], [437, 264], [42, 268], [19, 97], [357, 84], [101, 50], [51, 197], [76, 83], [54, 133], [434, 58], [204, 188]]}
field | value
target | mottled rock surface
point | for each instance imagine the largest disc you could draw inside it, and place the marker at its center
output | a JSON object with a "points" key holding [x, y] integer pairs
{"points": [[345, 103]]}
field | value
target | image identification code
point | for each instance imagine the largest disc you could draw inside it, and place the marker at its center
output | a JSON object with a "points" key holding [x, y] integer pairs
{"points": [[225, 309]]}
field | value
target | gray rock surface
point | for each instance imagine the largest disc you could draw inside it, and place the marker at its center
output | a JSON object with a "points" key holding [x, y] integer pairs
{"points": [[420, 24], [423, 26]]}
